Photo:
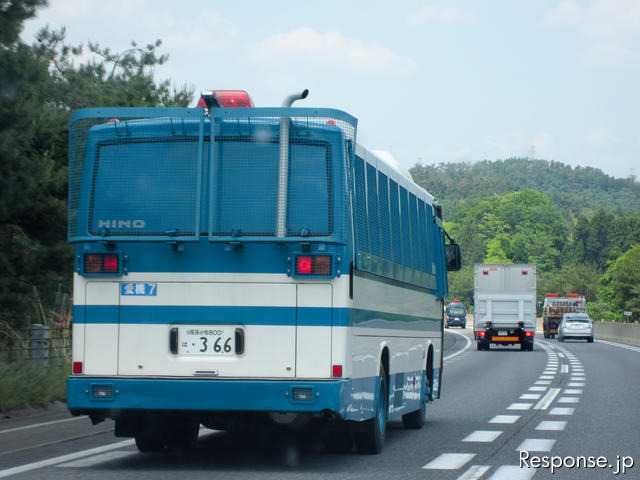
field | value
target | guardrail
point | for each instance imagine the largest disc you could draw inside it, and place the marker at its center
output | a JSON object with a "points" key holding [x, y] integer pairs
{"points": [[617, 332], [39, 342]]}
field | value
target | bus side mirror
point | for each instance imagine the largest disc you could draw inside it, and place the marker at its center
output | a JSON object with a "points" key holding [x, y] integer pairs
{"points": [[454, 257]]}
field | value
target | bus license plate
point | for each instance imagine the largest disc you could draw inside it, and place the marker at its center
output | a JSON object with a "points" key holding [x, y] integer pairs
{"points": [[200, 340], [502, 333]]}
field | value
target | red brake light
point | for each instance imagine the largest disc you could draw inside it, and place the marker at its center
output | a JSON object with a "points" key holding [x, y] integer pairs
{"points": [[337, 370], [303, 265], [529, 334], [101, 263], [77, 367], [111, 264], [482, 334], [485, 272], [524, 272], [319, 265]]}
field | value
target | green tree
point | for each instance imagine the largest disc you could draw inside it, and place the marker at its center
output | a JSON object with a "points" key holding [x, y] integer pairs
{"points": [[40, 86], [624, 280]]}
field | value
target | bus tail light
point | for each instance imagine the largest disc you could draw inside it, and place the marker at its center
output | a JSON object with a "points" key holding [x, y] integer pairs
{"points": [[101, 263], [482, 334], [77, 367], [529, 334], [313, 265]]}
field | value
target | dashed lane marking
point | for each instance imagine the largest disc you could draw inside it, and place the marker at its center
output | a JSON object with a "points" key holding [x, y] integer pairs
{"points": [[485, 436], [530, 396], [449, 461], [505, 419], [562, 411], [536, 445], [545, 401], [474, 472], [512, 472], [520, 406], [552, 425], [572, 391], [569, 400]]}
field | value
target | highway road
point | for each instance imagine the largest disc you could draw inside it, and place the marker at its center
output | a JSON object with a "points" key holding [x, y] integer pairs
{"points": [[563, 404]]}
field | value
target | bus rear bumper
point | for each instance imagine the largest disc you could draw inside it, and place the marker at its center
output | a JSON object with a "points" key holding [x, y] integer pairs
{"points": [[95, 395]]}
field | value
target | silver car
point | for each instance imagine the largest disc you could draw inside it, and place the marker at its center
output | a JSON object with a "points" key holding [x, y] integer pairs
{"points": [[575, 325]]}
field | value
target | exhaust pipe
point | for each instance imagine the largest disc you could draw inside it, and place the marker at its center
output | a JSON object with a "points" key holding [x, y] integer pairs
{"points": [[283, 168]]}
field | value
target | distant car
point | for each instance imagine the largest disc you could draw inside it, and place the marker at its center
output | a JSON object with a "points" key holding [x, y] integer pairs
{"points": [[456, 314], [575, 325]]}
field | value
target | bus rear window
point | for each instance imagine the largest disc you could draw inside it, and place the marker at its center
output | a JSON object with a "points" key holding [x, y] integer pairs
{"points": [[151, 187], [145, 188]]}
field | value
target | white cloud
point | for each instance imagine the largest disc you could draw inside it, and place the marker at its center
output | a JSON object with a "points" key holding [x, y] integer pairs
{"points": [[612, 28], [307, 47], [431, 13], [599, 136]]}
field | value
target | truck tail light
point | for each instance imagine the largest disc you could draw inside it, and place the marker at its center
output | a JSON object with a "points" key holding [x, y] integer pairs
{"points": [[482, 334], [529, 334], [313, 265], [337, 371], [97, 263], [77, 367]]}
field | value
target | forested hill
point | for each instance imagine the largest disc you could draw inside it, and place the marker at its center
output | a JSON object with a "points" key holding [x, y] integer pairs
{"points": [[573, 191]]}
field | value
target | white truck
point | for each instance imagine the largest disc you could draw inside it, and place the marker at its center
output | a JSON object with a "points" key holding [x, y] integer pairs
{"points": [[504, 302]]}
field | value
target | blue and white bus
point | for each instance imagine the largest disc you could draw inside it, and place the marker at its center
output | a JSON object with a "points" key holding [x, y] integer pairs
{"points": [[239, 265]]}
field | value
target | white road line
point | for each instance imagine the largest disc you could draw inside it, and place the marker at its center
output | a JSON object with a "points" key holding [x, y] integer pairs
{"points": [[97, 459], [43, 424], [552, 425], [449, 461], [561, 355], [520, 406], [537, 388], [513, 472], [562, 411], [536, 445], [572, 391], [545, 401], [64, 458], [620, 345], [475, 472], [576, 384], [543, 382], [505, 419], [466, 347], [485, 436], [569, 400], [564, 368], [546, 377], [530, 396]]}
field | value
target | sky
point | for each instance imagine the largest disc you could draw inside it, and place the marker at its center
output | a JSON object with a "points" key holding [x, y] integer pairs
{"points": [[430, 81]]}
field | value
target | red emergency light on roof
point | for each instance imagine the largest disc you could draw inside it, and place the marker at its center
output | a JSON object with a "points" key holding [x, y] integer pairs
{"points": [[224, 98], [572, 295], [455, 301], [555, 295]]}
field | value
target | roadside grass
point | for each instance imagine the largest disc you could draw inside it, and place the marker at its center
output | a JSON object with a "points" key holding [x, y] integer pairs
{"points": [[32, 383]]}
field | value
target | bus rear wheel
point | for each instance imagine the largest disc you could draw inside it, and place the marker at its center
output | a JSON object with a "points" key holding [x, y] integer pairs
{"points": [[370, 437]]}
